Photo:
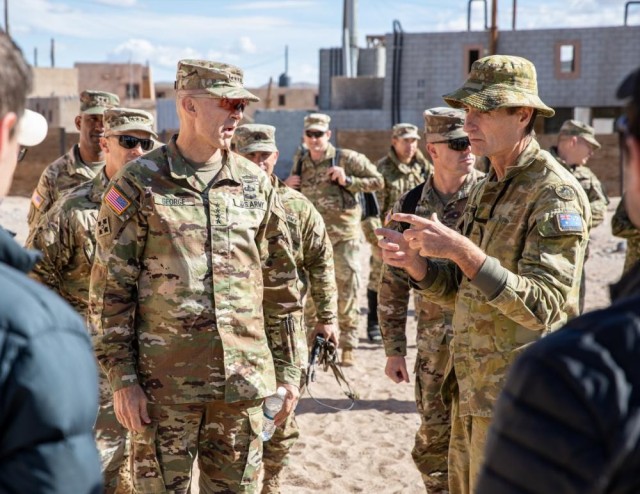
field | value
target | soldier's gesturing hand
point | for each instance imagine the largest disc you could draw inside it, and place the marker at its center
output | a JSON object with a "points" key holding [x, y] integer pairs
{"points": [[130, 406], [396, 252], [337, 174], [290, 402], [293, 181]]}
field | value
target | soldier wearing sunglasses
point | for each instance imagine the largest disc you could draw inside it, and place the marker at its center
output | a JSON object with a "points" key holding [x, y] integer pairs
{"points": [[445, 193], [511, 273], [194, 295], [82, 162], [65, 235]]}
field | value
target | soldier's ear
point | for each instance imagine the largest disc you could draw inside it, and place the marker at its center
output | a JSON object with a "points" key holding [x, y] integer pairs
{"points": [[78, 121], [104, 144]]}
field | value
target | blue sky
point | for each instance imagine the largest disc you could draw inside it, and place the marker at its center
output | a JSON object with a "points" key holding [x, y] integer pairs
{"points": [[253, 33]]}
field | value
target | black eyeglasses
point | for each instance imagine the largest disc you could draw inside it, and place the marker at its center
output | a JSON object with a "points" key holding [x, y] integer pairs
{"points": [[313, 134], [459, 144], [21, 154], [130, 142]]}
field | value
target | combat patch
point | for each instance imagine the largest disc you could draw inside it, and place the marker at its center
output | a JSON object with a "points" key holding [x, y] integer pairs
{"points": [[116, 200], [36, 199], [103, 227], [569, 222], [565, 192]]}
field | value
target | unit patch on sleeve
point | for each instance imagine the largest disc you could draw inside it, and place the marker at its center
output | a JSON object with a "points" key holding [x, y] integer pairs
{"points": [[569, 222], [116, 200], [103, 226]]}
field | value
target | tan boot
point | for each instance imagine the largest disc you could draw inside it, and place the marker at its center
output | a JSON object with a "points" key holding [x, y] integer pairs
{"points": [[271, 485], [348, 358]]}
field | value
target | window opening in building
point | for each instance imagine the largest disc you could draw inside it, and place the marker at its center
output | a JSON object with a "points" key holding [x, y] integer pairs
{"points": [[567, 59], [474, 54], [282, 100], [133, 90]]}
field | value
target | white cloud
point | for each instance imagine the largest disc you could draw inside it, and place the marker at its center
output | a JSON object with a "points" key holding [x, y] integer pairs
{"points": [[245, 45], [118, 3], [274, 5]]}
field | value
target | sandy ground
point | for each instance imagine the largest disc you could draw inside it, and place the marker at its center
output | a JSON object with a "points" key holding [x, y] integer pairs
{"points": [[368, 449]]}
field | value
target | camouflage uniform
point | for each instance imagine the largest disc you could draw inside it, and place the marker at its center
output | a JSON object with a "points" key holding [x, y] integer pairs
{"points": [[314, 261], [622, 227], [433, 337], [201, 280], [69, 170], [533, 225], [341, 214]]}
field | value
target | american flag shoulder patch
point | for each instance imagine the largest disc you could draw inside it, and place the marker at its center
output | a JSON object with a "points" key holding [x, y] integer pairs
{"points": [[37, 199], [116, 200]]}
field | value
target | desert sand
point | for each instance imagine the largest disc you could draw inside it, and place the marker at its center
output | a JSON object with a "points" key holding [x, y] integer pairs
{"points": [[368, 448]]}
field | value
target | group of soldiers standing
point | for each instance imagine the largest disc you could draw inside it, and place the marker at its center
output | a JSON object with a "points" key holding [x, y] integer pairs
{"points": [[192, 266]]}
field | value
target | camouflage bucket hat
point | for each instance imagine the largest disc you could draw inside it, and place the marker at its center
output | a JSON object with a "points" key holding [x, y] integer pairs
{"points": [[251, 138], [219, 79], [317, 121], [500, 81], [443, 124], [580, 129], [405, 131], [96, 102], [119, 120]]}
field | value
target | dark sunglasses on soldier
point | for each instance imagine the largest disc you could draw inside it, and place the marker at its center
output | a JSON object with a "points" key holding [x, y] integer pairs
{"points": [[313, 134], [131, 142], [459, 144], [233, 105], [21, 154]]}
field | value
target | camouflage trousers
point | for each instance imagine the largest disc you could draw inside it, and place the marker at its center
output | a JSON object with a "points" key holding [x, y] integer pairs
{"points": [[432, 439], [466, 449], [633, 253], [113, 444], [225, 437], [276, 451], [347, 265], [375, 268]]}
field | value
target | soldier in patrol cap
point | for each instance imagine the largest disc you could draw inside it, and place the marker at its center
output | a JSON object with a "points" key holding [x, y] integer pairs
{"points": [[331, 178], [194, 270], [576, 144], [65, 235], [403, 168], [511, 272], [82, 162], [314, 261], [445, 193]]}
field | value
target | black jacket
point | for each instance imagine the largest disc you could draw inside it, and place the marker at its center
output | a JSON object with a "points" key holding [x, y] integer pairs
{"points": [[568, 419], [48, 387]]}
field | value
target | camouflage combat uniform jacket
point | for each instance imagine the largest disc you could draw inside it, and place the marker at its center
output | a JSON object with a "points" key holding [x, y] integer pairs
{"points": [[591, 185], [63, 174], [622, 227], [533, 225], [194, 288], [313, 252], [66, 237], [340, 211], [395, 290], [400, 178]]}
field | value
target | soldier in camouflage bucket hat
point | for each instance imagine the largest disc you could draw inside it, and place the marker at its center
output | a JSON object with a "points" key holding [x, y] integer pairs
{"points": [[499, 81], [511, 270]]}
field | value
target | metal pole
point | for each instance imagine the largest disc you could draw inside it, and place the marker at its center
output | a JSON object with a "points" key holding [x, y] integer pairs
{"points": [[494, 27], [6, 16], [513, 17]]}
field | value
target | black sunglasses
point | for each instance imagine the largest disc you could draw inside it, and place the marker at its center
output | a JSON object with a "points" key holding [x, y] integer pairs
{"points": [[313, 133], [459, 144], [130, 142], [21, 154]]}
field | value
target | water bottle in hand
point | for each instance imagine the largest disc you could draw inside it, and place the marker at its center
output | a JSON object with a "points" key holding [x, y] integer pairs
{"points": [[272, 405]]}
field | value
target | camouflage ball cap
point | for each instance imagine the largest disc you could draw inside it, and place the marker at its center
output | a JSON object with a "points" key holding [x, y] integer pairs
{"points": [[580, 129], [405, 131], [317, 121], [219, 79], [443, 124], [500, 81], [252, 138], [96, 102], [121, 120]]}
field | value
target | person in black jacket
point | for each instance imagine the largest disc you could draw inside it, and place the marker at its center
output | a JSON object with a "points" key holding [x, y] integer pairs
{"points": [[568, 418], [48, 377]]}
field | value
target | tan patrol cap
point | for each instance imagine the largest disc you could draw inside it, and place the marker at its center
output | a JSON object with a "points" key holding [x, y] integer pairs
{"points": [[94, 102], [119, 120], [219, 79], [317, 121], [580, 129], [443, 124], [500, 81], [251, 138], [405, 131]]}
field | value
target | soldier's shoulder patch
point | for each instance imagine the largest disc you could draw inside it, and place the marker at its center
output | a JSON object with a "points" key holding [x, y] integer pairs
{"points": [[569, 222], [565, 192], [36, 199], [103, 227], [116, 200]]}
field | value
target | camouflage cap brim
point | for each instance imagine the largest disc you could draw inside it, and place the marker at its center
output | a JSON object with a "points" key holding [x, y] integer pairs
{"points": [[591, 140], [132, 126], [258, 147], [446, 136], [409, 135], [494, 97], [95, 110], [232, 92]]}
